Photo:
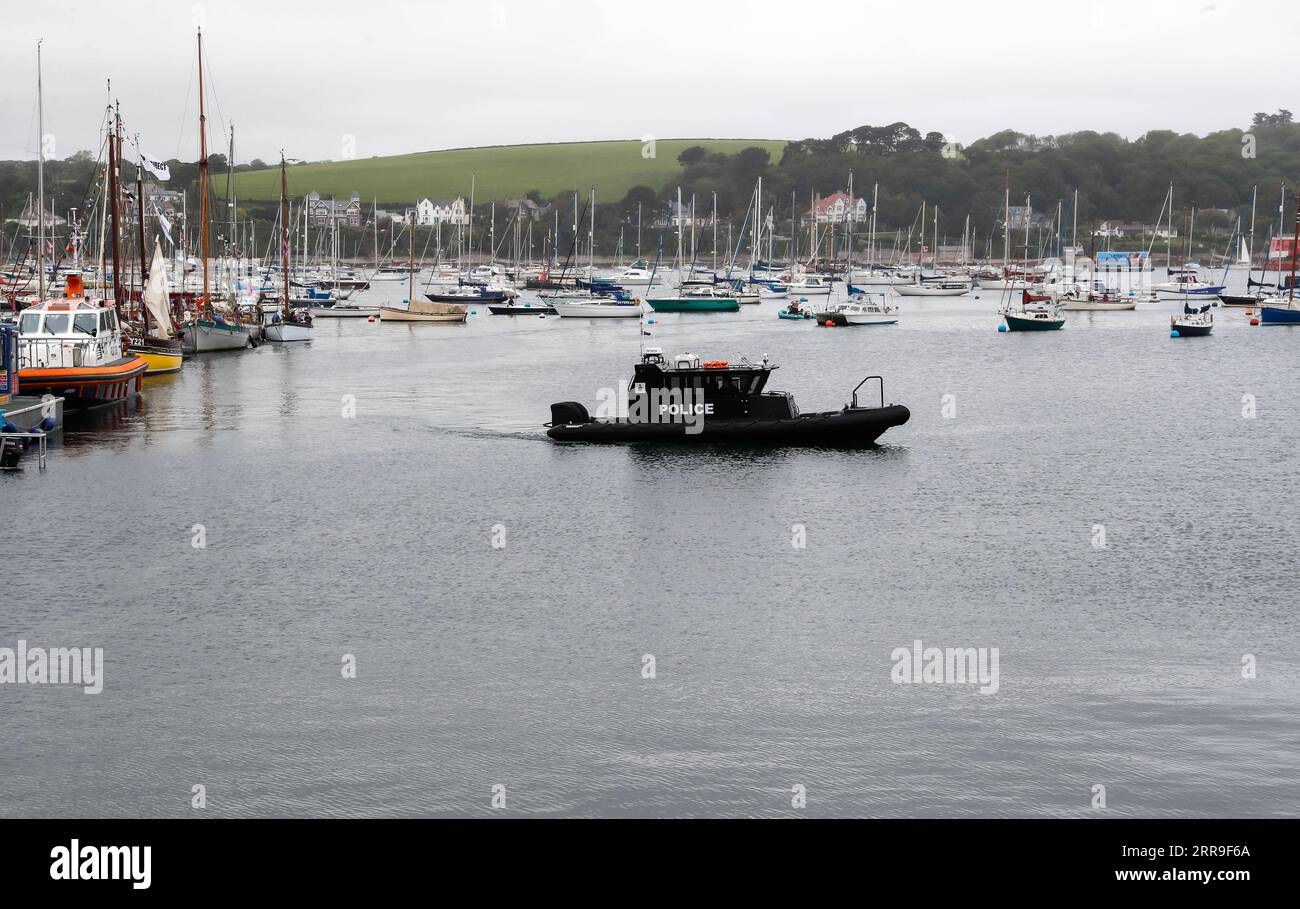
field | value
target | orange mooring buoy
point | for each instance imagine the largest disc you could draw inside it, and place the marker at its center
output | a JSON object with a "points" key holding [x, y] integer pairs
{"points": [[1254, 321]]}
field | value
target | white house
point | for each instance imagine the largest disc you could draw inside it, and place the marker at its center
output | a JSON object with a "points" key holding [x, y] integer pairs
{"points": [[429, 212], [838, 208]]}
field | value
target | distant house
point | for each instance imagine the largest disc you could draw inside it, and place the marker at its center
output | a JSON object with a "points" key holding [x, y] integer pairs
{"points": [[326, 211], [671, 215], [838, 208], [429, 212], [1118, 230], [168, 202], [1021, 216], [527, 208]]}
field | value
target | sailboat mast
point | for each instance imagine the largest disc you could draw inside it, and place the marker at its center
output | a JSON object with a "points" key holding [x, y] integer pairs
{"points": [[871, 252], [1006, 230], [40, 178], [144, 265], [715, 231], [852, 215], [284, 231], [203, 179], [1295, 253], [113, 177]]}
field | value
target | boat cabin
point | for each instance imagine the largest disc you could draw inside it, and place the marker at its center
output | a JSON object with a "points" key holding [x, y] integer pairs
{"points": [[69, 333], [730, 391]]}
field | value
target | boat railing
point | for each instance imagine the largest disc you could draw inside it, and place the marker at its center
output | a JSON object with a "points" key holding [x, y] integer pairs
{"points": [[879, 379], [59, 353], [24, 437]]}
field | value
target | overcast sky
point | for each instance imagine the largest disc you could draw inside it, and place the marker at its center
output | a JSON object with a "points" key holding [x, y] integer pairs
{"points": [[412, 76]]}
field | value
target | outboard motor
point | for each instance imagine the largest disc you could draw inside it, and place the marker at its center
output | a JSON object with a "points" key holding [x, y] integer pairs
{"points": [[568, 413], [10, 454]]}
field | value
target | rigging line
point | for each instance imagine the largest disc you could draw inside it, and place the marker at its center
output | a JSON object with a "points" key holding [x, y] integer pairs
{"points": [[182, 131]]}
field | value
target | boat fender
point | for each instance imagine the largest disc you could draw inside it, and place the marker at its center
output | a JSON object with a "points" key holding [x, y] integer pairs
{"points": [[1002, 328], [715, 364], [1254, 321], [1174, 334], [48, 424], [829, 323]]}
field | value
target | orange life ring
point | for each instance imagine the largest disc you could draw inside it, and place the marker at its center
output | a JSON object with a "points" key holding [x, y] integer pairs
{"points": [[715, 364]]}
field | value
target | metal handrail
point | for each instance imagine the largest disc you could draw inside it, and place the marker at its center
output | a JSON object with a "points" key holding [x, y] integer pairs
{"points": [[42, 442], [864, 382], [58, 353]]}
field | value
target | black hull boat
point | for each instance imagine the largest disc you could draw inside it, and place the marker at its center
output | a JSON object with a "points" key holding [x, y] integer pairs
{"points": [[482, 296], [848, 428], [1240, 299], [716, 402], [521, 309]]}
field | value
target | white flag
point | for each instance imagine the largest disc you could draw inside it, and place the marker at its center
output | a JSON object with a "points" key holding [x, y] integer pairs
{"points": [[165, 225], [154, 166]]}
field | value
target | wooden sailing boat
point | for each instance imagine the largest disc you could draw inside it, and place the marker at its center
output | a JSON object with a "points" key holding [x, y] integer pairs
{"points": [[209, 330], [152, 338], [421, 310], [288, 324]]}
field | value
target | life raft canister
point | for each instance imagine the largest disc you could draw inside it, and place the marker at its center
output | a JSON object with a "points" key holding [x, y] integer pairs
{"points": [[715, 364]]}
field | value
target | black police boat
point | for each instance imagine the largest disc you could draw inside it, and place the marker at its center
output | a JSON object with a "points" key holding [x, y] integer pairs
{"points": [[717, 401]]}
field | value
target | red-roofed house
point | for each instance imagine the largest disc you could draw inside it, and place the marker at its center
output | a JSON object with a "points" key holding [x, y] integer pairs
{"points": [[838, 208]]}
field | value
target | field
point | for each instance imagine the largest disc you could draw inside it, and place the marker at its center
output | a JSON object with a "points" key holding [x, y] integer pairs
{"points": [[503, 172]]}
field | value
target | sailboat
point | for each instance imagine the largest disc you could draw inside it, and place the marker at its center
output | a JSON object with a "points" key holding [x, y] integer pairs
{"points": [[1276, 313], [288, 324], [157, 345], [209, 330], [421, 310], [1195, 322]]}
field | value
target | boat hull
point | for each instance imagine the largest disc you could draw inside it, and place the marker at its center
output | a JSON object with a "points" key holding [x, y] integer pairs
{"points": [[206, 336], [848, 428], [345, 312], [162, 357], [284, 332], [920, 290], [393, 314], [597, 310], [1279, 315], [88, 386], [704, 304], [1239, 300], [1021, 323], [522, 309], [1096, 305]]}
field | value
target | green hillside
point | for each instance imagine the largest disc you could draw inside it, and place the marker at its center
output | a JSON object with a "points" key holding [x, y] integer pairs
{"points": [[503, 172]]}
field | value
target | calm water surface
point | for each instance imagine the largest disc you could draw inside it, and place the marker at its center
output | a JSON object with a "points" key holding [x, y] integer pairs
{"points": [[521, 666]]}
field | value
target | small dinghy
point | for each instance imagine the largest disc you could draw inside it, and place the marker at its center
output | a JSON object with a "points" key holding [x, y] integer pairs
{"points": [[795, 310], [717, 401]]}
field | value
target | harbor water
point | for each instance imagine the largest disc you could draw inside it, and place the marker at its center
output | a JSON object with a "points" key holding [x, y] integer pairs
{"points": [[542, 629]]}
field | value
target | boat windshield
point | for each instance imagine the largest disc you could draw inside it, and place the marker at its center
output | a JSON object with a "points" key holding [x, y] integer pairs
{"points": [[28, 322], [85, 322], [56, 323]]}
